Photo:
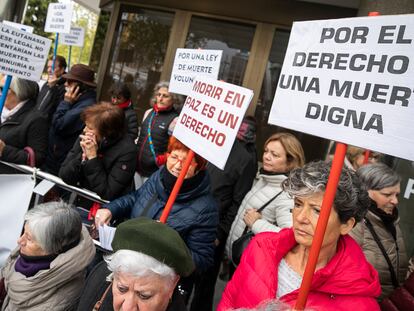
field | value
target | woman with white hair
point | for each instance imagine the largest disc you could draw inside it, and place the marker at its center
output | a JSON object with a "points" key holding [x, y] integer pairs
{"points": [[145, 270], [21, 126], [47, 269], [379, 235]]}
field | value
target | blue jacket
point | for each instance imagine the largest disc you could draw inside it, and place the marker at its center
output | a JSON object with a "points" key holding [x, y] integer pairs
{"points": [[194, 214]]}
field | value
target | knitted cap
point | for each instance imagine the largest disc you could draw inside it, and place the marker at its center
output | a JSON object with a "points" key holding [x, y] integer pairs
{"points": [[154, 239]]}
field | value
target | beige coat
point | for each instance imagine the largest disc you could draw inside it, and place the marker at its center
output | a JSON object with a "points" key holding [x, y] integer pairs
{"points": [[374, 255], [57, 288]]}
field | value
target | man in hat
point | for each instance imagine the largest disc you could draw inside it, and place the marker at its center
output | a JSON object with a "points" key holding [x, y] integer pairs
{"points": [[66, 122]]}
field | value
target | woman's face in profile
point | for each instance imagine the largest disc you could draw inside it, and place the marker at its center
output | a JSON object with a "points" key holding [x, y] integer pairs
{"points": [[143, 293], [386, 198], [305, 215], [274, 157], [28, 245], [175, 162]]}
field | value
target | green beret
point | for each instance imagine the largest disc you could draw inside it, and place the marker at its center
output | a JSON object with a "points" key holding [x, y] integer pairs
{"points": [[157, 240]]}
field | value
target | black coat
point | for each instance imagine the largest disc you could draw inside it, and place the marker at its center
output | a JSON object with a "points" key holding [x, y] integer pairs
{"points": [[110, 174], [50, 97], [159, 132], [26, 128], [132, 122], [96, 284], [65, 129], [229, 186]]}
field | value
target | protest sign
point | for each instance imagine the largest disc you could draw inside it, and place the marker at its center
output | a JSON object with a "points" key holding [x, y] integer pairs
{"points": [[75, 37], [59, 17], [22, 54], [191, 63], [350, 80], [19, 26], [211, 117], [15, 193]]}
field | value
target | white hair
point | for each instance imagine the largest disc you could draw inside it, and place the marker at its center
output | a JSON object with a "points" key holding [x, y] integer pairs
{"points": [[54, 225], [139, 264], [24, 89]]}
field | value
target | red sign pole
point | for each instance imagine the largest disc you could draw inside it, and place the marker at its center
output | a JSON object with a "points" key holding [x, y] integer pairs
{"points": [[177, 187], [366, 156], [327, 202]]}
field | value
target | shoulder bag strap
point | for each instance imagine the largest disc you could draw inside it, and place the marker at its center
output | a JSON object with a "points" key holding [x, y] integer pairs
{"points": [[263, 207], [149, 204], [99, 303], [268, 202], [384, 252]]}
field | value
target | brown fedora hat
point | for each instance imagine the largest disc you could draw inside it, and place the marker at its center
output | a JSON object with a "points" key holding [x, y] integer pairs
{"points": [[81, 73]]}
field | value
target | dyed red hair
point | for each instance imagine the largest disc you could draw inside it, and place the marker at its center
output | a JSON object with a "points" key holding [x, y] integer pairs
{"points": [[175, 144]]}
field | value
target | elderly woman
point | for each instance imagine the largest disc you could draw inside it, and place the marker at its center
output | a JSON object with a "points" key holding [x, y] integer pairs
{"points": [[380, 228], [274, 263], [103, 159], [194, 214], [282, 153], [121, 97], [157, 125], [145, 271], [47, 270], [22, 126]]}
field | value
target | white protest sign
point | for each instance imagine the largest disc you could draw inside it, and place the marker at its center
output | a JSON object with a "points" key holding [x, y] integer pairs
{"points": [[22, 54], [75, 37], [59, 17], [15, 193], [19, 26], [211, 117], [351, 80], [191, 63]]}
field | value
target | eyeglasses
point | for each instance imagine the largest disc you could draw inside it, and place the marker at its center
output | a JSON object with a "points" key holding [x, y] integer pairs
{"points": [[173, 159]]}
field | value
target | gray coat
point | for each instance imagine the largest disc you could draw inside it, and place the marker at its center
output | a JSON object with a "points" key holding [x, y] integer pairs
{"points": [[372, 252], [57, 288]]}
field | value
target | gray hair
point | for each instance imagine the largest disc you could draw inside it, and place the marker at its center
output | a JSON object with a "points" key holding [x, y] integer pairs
{"points": [[139, 264], [24, 89], [377, 176], [350, 199], [55, 226], [177, 99]]}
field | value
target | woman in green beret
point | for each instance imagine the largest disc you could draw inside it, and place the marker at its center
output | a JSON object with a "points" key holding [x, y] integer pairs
{"points": [[143, 272]]}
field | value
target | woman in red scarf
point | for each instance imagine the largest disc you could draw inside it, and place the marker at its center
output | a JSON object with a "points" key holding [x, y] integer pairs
{"points": [[121, 96], [157, 126]]}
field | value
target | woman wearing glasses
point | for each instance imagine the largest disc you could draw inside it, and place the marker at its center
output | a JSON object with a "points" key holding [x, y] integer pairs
{"points": [[194, 214], [157, 125]]}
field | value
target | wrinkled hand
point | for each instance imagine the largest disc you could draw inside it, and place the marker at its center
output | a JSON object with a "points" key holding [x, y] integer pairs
{"points": [[250, 217], [103, 216], [72, 94], [2, 145], [89, 146]]}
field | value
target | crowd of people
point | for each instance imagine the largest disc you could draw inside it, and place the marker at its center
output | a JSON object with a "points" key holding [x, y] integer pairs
{"points": [[134, 164]]}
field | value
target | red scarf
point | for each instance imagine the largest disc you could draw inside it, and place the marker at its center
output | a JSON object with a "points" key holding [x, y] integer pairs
{"points": [[125, 104], [158, 109]]}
